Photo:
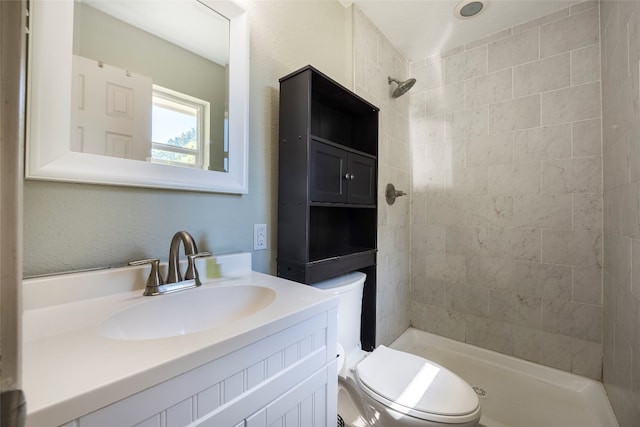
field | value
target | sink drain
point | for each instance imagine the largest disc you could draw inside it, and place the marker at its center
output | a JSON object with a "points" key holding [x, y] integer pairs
{"points": [[340, 421], [480, 392]]}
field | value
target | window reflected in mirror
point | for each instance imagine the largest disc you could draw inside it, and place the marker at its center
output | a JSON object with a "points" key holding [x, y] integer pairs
{"points": [[180, 127]]}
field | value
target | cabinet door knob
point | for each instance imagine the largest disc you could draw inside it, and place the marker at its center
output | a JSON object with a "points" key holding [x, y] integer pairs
{"points": [[352, 176], [347, 176]]}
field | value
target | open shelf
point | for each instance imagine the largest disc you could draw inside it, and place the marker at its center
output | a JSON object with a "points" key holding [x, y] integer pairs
{"points": [[335, 231], [350, 128]]}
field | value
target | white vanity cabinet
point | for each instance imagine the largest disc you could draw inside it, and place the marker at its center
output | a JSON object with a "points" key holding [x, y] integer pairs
{"points": [[276, 367], [287, 379]]}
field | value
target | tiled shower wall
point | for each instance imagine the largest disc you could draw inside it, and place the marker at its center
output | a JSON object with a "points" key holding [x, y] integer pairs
{"points": [[620, 29], [507, 192], [375, 60]]}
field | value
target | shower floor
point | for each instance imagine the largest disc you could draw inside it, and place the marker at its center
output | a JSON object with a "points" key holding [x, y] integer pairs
{"points": [[514, 392]]}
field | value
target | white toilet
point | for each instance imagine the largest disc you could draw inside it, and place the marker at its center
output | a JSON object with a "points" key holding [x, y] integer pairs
{"points": [[391, 387]]}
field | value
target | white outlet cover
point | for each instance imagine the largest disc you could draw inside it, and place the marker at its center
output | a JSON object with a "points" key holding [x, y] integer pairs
{"points": [[259, 237]]}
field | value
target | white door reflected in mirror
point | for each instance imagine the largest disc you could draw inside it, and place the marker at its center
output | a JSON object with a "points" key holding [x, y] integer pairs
{"points": [[147, 89], [110, 111]]}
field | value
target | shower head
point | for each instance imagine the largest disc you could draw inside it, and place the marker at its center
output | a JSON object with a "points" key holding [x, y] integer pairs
{"points": [[403, 87]]}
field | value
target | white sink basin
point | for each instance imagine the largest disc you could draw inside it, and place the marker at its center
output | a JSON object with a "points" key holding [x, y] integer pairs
{"points": [[186, 312]]}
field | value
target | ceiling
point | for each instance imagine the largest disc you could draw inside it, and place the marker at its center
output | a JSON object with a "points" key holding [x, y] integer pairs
{"points": [[421, 28]]}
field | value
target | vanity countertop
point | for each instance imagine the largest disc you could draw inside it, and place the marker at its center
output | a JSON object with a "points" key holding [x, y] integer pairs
{"points": [[70, 369]]}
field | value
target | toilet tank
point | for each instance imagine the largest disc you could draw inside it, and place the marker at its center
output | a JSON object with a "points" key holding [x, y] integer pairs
{"points": [[349, 290]]}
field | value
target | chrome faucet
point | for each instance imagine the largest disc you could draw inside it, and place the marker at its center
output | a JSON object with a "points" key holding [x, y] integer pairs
{"points": [[191, 251], [190, 248], [175, 281]]}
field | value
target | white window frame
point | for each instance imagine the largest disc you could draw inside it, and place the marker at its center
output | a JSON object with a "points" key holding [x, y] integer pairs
{"points": [[203, 109]]}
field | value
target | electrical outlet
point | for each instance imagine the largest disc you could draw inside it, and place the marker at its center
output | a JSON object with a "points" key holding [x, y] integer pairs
{"points": [[259, 237]]}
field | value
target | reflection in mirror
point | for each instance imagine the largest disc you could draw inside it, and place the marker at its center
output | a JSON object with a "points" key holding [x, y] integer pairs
{"points": [[150, 82], [173, 91]]}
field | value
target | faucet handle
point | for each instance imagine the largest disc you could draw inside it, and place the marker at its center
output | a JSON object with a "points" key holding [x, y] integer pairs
{"points": [[155, 278], [192, 272]]}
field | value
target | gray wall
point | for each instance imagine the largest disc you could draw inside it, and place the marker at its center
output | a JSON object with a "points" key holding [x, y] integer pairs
{"points": [[75, 226], [507, 195], [620, 29]]}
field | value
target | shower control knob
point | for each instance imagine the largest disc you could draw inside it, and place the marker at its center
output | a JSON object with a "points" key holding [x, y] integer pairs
{"points": [[391, 194]]}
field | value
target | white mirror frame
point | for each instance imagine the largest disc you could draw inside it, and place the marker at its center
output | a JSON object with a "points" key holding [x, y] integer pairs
{"points": [[48, 153]]}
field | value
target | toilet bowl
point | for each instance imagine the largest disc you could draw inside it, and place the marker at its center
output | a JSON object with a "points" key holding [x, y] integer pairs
{"points": [[394, 388]]}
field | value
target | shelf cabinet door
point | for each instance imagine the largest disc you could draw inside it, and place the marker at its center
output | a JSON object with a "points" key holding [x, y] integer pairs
{"points": [[327, 173], [361, 188]]}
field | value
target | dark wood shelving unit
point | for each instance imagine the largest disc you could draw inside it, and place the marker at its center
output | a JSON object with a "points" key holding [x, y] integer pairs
{"points": [[327, 185]]}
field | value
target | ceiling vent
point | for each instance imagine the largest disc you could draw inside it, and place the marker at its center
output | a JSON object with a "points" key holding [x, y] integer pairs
{"points": [[469, 8]]}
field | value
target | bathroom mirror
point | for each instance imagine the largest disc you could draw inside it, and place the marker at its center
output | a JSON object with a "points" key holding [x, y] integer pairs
{"points": [[173, 114]]}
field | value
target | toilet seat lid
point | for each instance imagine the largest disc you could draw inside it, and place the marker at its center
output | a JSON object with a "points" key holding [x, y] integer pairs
{"points": [[416, 384]]}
